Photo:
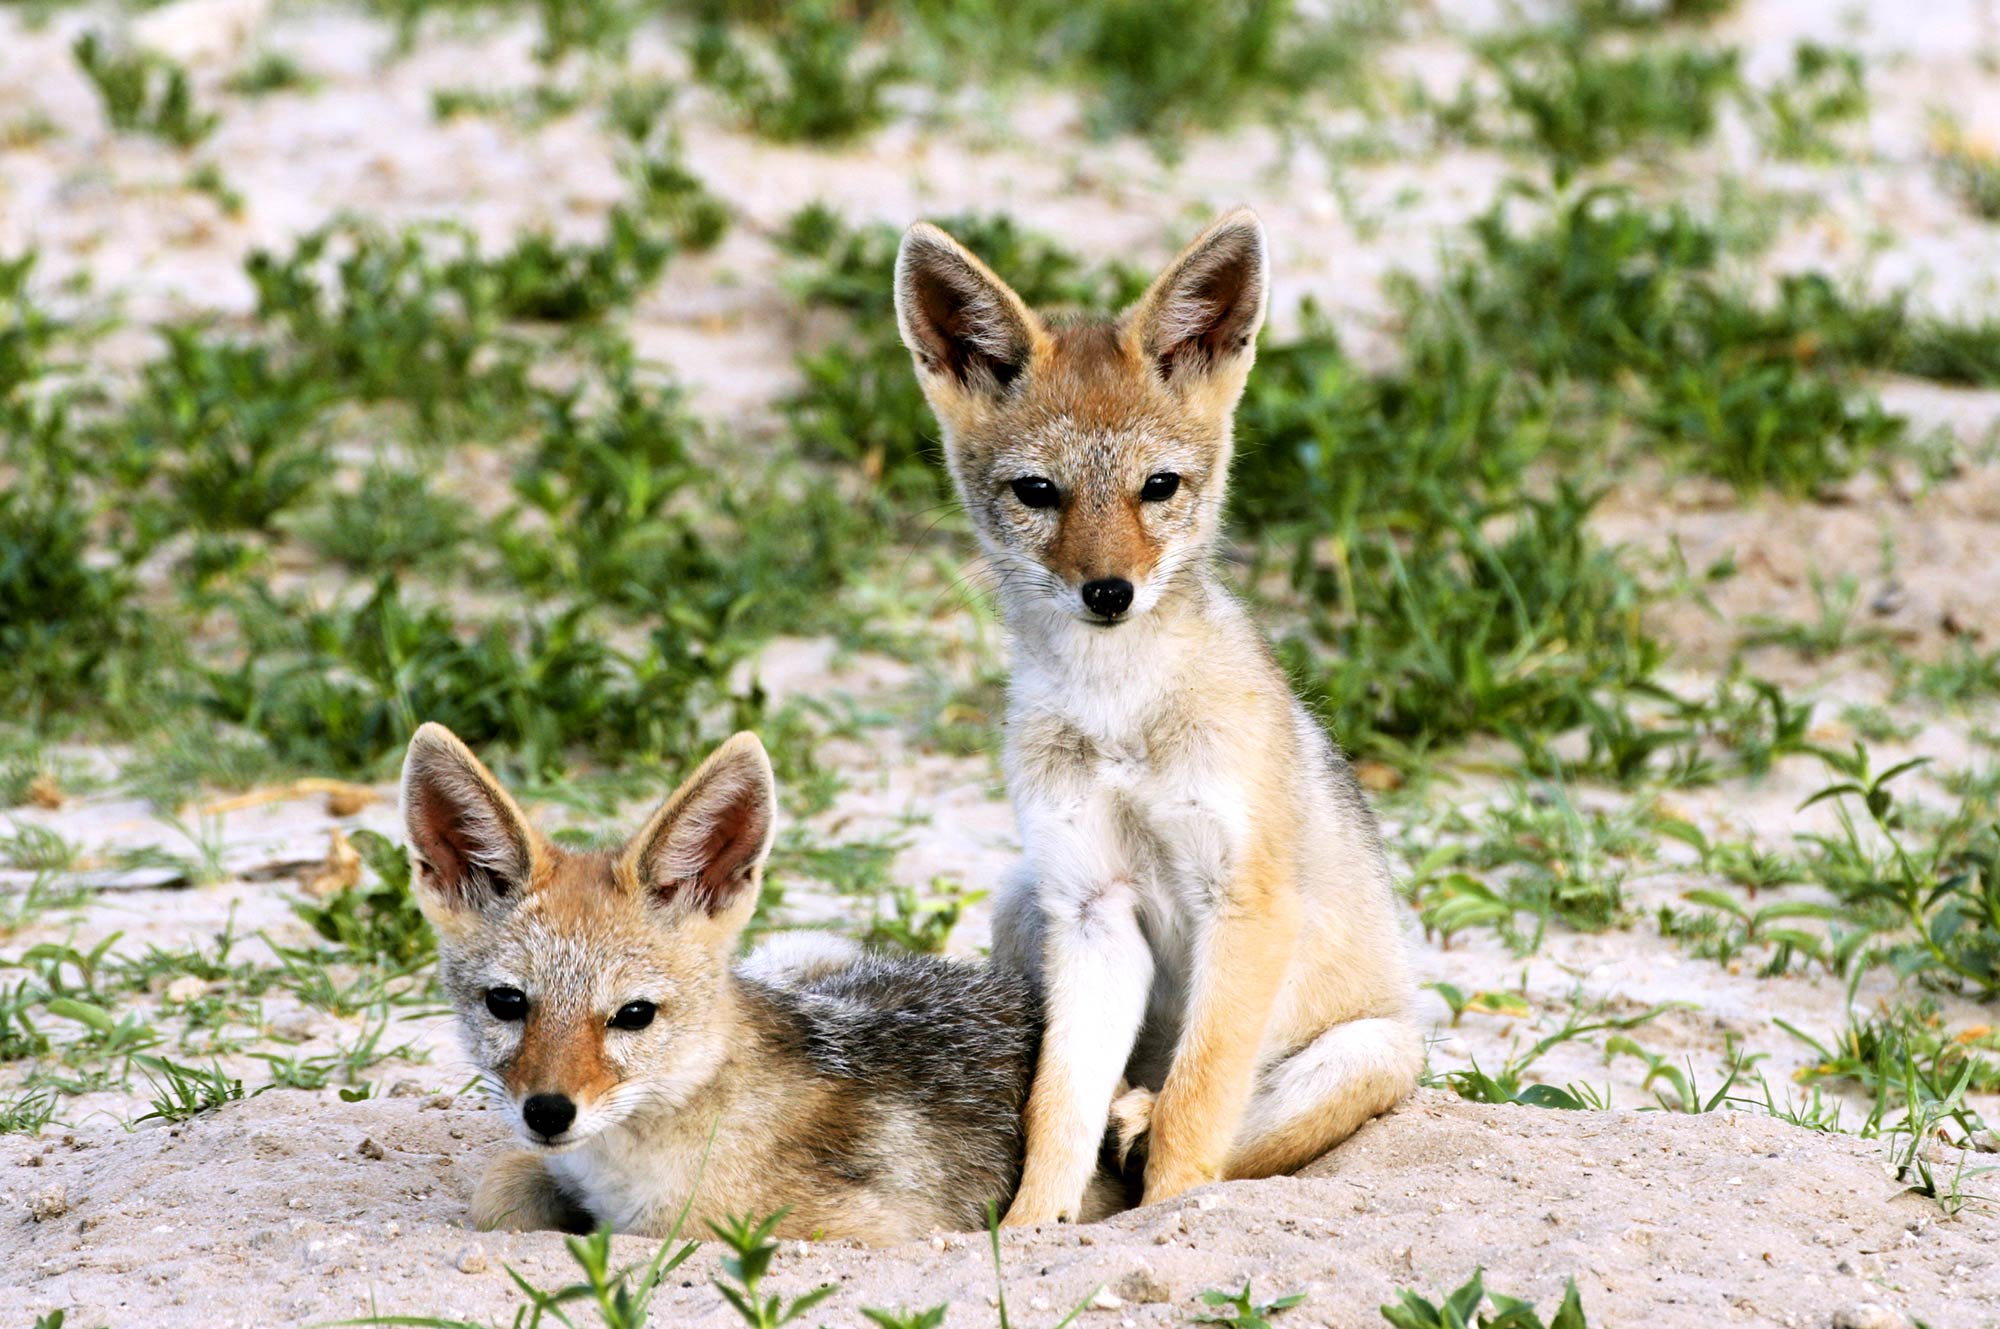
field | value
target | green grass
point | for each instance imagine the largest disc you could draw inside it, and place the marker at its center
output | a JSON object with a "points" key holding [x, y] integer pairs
{"points": [[144, 92], [268, 72], [810, 79], [1578, 105], [1418, 645], [1969, 167], [232, 431], [1159, 70], [1825, 90], [376, 921], [1509, 1083], [68, 628], [395, 518], [405, 317], [341, 689], [1466, 1308], [1239, 1310]]}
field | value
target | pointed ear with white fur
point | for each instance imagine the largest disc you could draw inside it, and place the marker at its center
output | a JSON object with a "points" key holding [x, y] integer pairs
{"points": [[703, 852], [470, 847], [966, 328], [1199, 319]]}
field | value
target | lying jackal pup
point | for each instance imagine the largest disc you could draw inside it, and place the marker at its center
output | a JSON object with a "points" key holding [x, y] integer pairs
{"points": [[879, 1097], [1203, 894]]}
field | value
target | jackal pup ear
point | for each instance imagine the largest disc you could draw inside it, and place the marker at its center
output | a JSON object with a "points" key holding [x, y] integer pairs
{"points": [[470, 847], [1199, 319], [703, 851], [967, 329]]}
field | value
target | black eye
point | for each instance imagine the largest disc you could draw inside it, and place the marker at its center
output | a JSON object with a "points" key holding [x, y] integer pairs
{"points": [[633, 1015], [1160, 487], [1037, 491], [507, 1003]]}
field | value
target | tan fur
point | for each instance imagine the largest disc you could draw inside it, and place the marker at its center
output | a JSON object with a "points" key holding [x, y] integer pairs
{"points": [[516, 1194], [1203, 894]]}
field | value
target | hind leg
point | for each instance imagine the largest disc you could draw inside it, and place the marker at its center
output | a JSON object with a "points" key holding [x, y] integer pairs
{"points": [[1321, 1094]]}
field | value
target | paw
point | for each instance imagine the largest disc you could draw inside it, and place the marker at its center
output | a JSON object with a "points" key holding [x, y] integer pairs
{"points": [[1128, 1139], [1127, 1135], [1165, 1179], [518, 1194], [1031, 1210]]}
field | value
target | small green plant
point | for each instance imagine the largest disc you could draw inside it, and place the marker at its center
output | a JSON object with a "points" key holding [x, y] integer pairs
{"points": [[529, 108], [1734, 927], [1969, 166], [395, 519], [597, 27], [920, 923], [268, 72], [207, 178], [19, 1037], [1963, 675], [1754, 718], [666, 191], [1582, 104], [183, 1092], [1464, 1309], [29, 847], [931, 1318], [1827, 88], [68, 625], [1506, 1086], [1506, 626], [1239, 1311], [144, 92], [1687, 1094], [1161, 68], [622, 1297], [26, 1113], [812, 83], [1830, 631], [235, 432], [376, 922], [751, 1250], [1904, 1059], [1507, 1004], [409, 316], [544, 279], [604, 486], [1644, 15], [342, 689], [1943, 888]]}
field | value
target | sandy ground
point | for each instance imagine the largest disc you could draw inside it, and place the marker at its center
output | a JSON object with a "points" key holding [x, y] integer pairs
{"points": [[285, 1209], [268, 1211]]}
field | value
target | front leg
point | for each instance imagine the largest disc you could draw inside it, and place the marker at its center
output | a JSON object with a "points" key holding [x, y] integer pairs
{"points": [[1240, 962], [1096, 970], [518, 1194]]}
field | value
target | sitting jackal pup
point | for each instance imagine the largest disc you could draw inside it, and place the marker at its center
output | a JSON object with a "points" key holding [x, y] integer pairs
{"points": [[878, 1096], [1203, 894]]}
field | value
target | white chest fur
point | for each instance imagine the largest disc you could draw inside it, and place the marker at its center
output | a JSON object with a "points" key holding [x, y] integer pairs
{"points": [[1118, 780], [624, 1182]]}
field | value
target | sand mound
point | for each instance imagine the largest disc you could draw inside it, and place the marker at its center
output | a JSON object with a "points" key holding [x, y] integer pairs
{"points": [[290, 1208]]}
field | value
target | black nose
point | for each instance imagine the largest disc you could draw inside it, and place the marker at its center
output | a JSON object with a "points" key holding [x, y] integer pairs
{"points": [[548, 1114], [1107, 597]]}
